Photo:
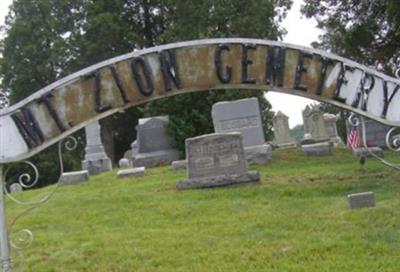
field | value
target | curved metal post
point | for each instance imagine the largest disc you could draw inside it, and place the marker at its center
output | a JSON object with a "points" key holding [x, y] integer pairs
{"points": [[4, 242]]}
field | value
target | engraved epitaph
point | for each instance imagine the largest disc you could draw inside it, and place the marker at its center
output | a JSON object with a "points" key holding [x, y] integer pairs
{"points": [[216, 160], [243, 116]]}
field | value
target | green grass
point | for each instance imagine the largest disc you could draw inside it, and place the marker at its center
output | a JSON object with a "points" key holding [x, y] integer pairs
{"points": [[296, 219]]}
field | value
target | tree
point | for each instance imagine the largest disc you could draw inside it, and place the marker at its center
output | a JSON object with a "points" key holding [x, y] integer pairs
{"points": [[36, 49], [134, 24], [47, 39], [367, 31]]}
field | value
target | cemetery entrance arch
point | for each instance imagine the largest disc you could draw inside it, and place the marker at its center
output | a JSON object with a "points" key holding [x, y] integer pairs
{"points": [[141, 76], [69, 104]]}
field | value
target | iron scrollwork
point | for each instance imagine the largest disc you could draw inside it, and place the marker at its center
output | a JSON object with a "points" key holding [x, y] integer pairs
{"points": [[23, 238]]}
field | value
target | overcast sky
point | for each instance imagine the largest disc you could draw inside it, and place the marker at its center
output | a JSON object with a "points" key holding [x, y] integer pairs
{"points": [[301, 31]]}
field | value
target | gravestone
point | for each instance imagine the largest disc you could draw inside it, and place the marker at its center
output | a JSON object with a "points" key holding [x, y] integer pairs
{"points": [[361, 200], [216, 160], [282, 136], [15, 188], [131, 172], [179, 165], [96, 160], [153, 146], [124, 163], [331, 129], [317, 149], [70, 178], [243, 116], [314, 123]]}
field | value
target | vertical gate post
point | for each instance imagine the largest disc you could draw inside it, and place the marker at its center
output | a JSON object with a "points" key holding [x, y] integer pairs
{"points": [[4, 242]]}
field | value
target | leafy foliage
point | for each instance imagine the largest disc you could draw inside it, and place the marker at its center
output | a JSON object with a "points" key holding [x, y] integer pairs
{"points": [[367, 31], [45, 40]]}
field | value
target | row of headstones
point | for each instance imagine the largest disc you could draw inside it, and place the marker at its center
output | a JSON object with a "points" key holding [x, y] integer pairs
{"points": [[318, 126], [320, 133], [211, 160]]}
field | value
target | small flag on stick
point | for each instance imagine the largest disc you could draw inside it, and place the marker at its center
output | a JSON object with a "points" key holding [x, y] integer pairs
{"points": [[353, 139]]}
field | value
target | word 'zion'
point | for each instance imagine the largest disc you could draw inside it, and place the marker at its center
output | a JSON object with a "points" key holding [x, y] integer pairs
{"points": [[136, 80]]}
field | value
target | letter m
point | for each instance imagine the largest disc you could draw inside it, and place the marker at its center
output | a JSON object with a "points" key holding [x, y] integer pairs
{"points": [[28, 127]]}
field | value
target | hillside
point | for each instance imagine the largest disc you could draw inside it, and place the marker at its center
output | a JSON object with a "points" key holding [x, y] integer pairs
{"points": [[296, 219]]}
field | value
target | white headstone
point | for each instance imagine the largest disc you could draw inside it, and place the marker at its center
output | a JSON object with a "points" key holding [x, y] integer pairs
{"points": [[313, 120], [124, 163], [282, 136], [96, 160], [15, 188], [243, 116], [70, 178]]}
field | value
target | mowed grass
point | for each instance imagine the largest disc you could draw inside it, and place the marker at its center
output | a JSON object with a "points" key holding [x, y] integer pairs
{"points": [[296, 219]]}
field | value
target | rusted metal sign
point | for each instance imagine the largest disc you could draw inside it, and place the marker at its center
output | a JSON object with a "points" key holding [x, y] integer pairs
{"points": [[138, 77]]}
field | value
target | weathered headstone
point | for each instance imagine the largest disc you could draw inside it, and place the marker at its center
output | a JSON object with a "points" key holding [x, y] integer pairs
{"points": [[70, 178], [314, 123], [96, 160], [15, 188], [331, 129], [282, 136], [124, 163], [153, 144], [317, 149], [216, 160], [179, 165], [361, 200], [131, 172], [243, 116]]}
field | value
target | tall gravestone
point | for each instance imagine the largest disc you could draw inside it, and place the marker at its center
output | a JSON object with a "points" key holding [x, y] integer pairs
{"points": [[282, 136], [153, 146], [243, 116], [96, 160], [216, 160], [331, 129], [314, 123]]}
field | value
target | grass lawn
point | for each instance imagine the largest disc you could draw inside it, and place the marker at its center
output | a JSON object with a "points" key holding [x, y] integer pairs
{"points": [[296, 219]]}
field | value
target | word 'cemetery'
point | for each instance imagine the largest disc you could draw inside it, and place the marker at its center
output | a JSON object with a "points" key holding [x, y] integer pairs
{"points": [[136, 78]]}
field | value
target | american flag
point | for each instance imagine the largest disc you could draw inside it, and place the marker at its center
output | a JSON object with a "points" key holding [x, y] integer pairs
{"points": [[353, 138]]}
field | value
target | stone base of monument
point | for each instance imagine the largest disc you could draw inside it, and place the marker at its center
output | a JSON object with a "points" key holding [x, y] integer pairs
{"points": [[220, 181], [96, 167], [258, 154], [366, 152], [179, 165], [131, 172], [70, 178], [361, 200], [157, 158], [318, 149]]}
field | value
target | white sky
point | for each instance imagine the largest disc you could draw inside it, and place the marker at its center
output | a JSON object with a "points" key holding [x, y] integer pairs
{"points": [[301, 31]]}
